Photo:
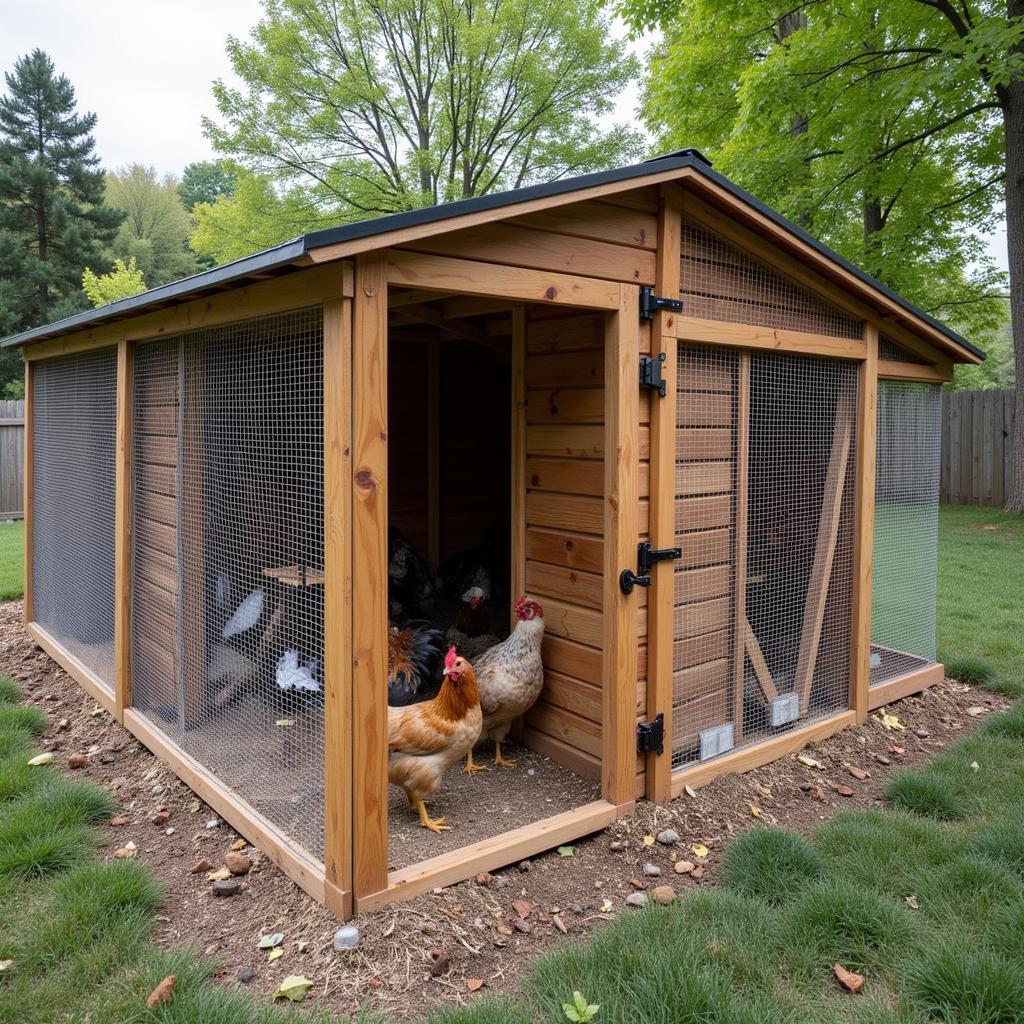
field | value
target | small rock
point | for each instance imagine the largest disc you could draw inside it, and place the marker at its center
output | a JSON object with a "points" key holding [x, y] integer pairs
{"points": [[213, 823], [557, 921], [161, 817], [577, 908], [882, 759], [637, 899], [652, 870], [237, 863], [62, 725], [500, 881], [697, 872], [156, 789], [484, 878], [848, 979], [245, 975], [638, 883], [226, 887], [523, 865], [203, 865], [667, 837], [125, 853], [858, 773], [522, 926], [346, 937], [118, 820], [843, 790], [616, 845], [922, 734], [663, 894], [806, 787], [523, 908], [78, 761], [685, 867], [106, 758]]}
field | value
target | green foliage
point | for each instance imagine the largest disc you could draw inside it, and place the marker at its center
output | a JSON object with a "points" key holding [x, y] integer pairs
{"points": [[205, 182], [154, 234], [30, 720], [10, 691], [771, 863], [969, 986], [123, 281], [969, 669], [12, 560], [53, 220], [870, 126], [347, 111], [926, 793], [579, 1010]]}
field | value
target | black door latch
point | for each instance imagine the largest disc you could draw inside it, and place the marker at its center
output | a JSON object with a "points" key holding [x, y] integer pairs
{"points": [[646, 558], [650, 736]]}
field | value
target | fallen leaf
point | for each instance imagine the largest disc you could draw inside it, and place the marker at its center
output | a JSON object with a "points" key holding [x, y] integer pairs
{"points": [[162, 993], [270, 941], [239, 844], [607, 907], [848, 979], [698, 872], [897, 751], [755, 810], [274, 954], [977, 710], [474, 984], [810, 762], [125, 853], [294, 987], [648, 840], [6, 965], [95, 711], [911, 901], [522, 908], [220, 875], [286, 722], [858, 773], [41, 759], [203, 865], [700, 850], [566, 851], [689, 790], [559, 924], [891, 722], [975, 766]]}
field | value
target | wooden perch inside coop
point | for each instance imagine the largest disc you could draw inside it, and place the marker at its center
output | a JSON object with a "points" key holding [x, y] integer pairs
{"points": [[296, 575]]}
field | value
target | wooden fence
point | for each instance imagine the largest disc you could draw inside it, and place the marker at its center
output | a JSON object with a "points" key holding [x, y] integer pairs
{"points": [[977, 432], [12, 459]]}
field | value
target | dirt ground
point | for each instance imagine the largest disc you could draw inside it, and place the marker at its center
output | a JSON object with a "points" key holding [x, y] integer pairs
{"points": [[436, 948]]}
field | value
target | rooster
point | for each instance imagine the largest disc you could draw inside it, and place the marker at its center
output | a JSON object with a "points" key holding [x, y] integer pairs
{"points": [[414, 650], [410, 584], [471, 631], [424, 739], [509, 677]]}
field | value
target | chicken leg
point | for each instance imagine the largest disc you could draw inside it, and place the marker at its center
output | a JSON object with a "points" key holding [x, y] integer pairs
{"points": [[499, 761], [434, 824], [472, 767]]}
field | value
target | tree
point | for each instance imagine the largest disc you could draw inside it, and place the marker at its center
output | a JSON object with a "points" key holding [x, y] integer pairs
{"points": [[123, 281], [372, 108], [53, 220], [914, 114], [205, 181], [156, 226]]}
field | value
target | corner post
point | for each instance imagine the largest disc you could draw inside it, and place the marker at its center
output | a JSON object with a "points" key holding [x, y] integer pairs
{"points": [[370, 574], [661, 602], [337, 400], [122, 532], [28, 496], [518, 511], [867, 430], [621, 526]]}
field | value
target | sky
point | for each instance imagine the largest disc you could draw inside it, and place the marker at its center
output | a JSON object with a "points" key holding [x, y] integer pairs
{"points": [[146, 68]]}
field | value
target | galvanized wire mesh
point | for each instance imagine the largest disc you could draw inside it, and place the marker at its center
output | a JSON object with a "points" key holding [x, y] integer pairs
{"points": [[74, 409], [722, 282], [906, 528], [765, 471], [228, 558], [894, 352]]}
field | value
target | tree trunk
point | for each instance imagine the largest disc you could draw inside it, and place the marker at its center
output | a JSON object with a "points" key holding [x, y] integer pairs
{"points": [[1013, 123]]}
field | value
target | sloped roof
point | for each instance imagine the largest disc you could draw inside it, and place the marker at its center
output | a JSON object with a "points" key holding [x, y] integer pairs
{"points": [[286, 255]]}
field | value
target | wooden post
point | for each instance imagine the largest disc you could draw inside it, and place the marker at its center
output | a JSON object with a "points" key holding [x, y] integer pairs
{"points": [[518, 511], [338, 606], [867, 430], [434, 453], [741, 628], [122, 533], [370, 574], [661, 601], [621, 521], [27, 501]]}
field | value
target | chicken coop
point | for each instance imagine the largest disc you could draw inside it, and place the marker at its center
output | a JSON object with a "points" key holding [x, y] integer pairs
{"points": [[701, 442]]}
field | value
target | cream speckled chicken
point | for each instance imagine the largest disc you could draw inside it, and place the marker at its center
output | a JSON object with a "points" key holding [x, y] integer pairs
{"points": [[509, 677]]}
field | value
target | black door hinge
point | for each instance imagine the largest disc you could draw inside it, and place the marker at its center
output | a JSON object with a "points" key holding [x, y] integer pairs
{"points": [[646, 557], [650, 736], [650, 373], [651, 303]]}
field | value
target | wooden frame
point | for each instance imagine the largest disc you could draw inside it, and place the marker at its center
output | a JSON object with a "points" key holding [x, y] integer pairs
{"points": [[89, 681], [27, 500], [720, 332], [122, 533], [904, 685]]}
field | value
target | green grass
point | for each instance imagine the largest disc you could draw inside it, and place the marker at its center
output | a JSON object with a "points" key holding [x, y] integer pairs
{"points": [[980, 583], [12, 563]]}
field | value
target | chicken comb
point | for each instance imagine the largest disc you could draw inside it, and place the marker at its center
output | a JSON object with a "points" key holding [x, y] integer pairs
{"points": [[449, 658], [520, 601]]}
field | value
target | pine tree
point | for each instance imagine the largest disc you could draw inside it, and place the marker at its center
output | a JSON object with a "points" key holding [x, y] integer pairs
{"points": [[53, 221]]}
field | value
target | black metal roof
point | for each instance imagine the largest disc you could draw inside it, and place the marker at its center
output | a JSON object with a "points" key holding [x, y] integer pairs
{"points": [[280, 256]]}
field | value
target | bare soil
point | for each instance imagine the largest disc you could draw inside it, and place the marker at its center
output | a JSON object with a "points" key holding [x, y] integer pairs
{"points": [[468, 931]]}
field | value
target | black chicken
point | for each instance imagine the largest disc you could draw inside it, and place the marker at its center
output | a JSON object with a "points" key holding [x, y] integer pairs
{"points": [[411, 586]]}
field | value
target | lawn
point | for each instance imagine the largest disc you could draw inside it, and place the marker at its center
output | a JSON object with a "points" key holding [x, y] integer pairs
{"points": [[12, 565]]}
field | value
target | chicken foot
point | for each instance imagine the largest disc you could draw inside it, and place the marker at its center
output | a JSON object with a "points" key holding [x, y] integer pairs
{"points": [[502, 762], [472, 767], [434, 824]]}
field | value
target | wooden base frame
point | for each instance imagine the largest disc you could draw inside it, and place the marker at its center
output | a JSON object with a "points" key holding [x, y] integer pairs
{"points": [[904, 685], [496, 852], [90, 682], [757, 754]]}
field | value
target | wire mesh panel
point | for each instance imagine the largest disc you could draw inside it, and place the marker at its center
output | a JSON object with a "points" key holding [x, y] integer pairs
{"points": [[722, 282], [893, 352], [74, 409], [228, 558], [766, 468], [906, 528]]}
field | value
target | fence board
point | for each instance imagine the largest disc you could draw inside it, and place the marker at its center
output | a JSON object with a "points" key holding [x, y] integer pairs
{"points": [[977, 445], [12, 458]]}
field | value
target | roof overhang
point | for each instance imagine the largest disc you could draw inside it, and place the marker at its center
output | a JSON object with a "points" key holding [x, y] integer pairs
{"points": [[687, 167]]}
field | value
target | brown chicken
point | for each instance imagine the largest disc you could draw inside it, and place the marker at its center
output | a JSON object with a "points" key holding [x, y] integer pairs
{"points": [[424, 739], [509, 677]]}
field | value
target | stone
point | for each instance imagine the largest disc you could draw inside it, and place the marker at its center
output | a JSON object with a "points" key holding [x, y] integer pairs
{"points": [[78, 761], [522, 926], [652, 870], [667, 837], [203, 865], [484, 878], [161, 817], [843, 790], [156, 789], [685, 867], [806, 787], [637, 899], [616, 846], [226, 887], [237, 863], [346, 937], [245, 975], [882, 759], [663, 894], [523, 865], [848, 979], [922, 734], [577, 908]]}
